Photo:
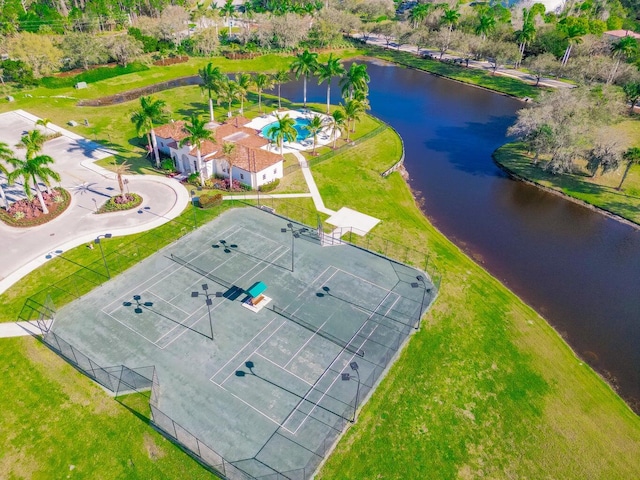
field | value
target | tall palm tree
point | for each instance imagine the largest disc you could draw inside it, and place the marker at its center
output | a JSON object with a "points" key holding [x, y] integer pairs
{"points": [[44, 122], [574, 37], [282, 76], [486, 24], [6, 155], [356, 79], [314, 127], [622, 49], [283, 131], [262, 81], [450, 18], [211, 76], [631, 157], [197, 134], [32, 141], [337, 123], [121, 169], [229, 149], [419, 13], [353, 109], [244, 82], [229, 11], [31, 170], [526, 35], [326, 72], [151, 111], [305, 65]]}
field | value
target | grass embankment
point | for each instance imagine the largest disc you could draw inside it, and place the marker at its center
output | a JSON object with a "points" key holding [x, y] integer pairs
{"points": [[473, 76], [599, 191], [486, 388]]}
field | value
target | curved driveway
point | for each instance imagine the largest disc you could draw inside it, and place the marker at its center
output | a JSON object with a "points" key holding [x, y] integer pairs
{"points": [[23, 249]]}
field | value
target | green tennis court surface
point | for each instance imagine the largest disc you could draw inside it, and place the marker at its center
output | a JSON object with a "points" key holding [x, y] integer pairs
{"points": [[264, 389]]}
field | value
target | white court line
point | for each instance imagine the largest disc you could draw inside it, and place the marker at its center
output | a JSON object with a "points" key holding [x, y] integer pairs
{"points": [[245, 346], [305, 344], [169, 303], [282, 368], [130, 328]]}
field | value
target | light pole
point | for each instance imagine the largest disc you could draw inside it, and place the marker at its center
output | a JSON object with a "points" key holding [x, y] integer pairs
{"points": [[420, 279], [97, 241], [208, 301], [294, 234], [346, 376]]}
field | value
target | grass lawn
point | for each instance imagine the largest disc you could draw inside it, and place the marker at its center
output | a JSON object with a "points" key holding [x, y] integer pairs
{"points": [[599, 191], [56, 423], [486, 388], [473, 76]]}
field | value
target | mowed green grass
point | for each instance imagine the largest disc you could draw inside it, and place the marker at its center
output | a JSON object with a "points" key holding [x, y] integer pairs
{"points": [[55, 423], [599, 191], [486, 388]]}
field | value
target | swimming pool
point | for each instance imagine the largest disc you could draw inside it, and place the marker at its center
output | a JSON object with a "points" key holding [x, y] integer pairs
{"points": [[299, 126]]}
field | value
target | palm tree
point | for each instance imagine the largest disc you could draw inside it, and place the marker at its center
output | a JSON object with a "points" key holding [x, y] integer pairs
{"points": [[524, 36], [197, 134], [282, 76], [229, 150], [228, 93], [262, 81], [337, 123], [624, 48], [120, 170], [450, 17], [211, 76], [326, 72], [314, 127], [283, 131], [419, 13], [32, 170], [44, 122], [356, 79], [353, 109], [32, 141], [243, 81], [631, 156], [486, 24], [305, 64], [229, 11], [151, 111], [574, 36], [6, 155]]}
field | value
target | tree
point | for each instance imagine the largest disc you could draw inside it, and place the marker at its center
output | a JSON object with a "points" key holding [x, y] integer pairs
{"points": [[32, 141], [419, 13], [304, 65], [622, 49], [450, 18], [262, 81], [604, 156], [281, 76], [314, 127], [37, 51], [151, 111], [229, 11], [283, 130], [229, 92], [337, 123], [356, 79], [121, 169], [83, 49], [244, 82], [500, 53], [33, 170], [44, 122], [630, 157], [229, 149], [326, 72], [353, 109], [486, 24], [524, 36], [206, 41], [6, 156], [574, 33], [123, 48], [542, 65], [211, 77], [632, 93], [173, 21], [196, 134]]}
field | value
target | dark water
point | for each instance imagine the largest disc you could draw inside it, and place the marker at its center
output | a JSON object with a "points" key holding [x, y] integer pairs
{"points": [[577, 268]]}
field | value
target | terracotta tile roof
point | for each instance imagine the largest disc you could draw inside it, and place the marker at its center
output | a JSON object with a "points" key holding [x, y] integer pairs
{"points": [[253, 141], [238, 120], [252, 159], [173, 130], [207, 147]]}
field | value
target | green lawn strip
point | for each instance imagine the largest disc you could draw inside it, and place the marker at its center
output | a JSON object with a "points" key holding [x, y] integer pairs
{"points": [[474, 76], [599, 191], [56, 423], [486, 388]]}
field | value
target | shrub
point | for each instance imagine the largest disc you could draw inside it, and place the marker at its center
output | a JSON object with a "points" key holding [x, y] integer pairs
{"points": [[20, 219], [207, 200], [167, 165], [269, 187], [193, 178], [119, 203]]}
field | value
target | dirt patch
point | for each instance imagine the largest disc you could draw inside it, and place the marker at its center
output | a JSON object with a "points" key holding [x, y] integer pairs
{"points": [[153, 450]]}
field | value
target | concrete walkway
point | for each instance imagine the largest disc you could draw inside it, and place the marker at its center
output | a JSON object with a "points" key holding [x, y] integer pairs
{"points": [[21, 329]]}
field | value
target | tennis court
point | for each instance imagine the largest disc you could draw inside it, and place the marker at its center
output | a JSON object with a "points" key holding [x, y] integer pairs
{"points": [[268, 380]]}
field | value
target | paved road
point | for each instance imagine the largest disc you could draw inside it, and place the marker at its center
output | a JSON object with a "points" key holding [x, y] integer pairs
{"points": [[508, 72], [23, 249]]}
